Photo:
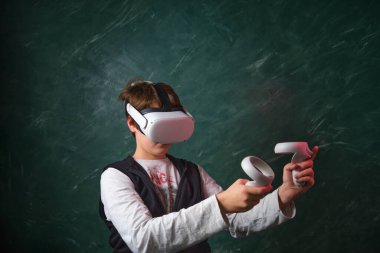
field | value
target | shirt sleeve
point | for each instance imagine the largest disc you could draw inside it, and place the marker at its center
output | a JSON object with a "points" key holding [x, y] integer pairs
{"points": [[168, 233], [264, 215]]}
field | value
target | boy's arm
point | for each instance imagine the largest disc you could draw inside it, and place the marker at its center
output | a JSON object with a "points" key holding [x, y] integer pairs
{"points": [[267, 213], [142, 233], [264, 215]]}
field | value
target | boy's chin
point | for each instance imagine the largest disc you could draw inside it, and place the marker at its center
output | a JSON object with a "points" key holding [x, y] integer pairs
{"points": [[164, 145], [162, 148]]}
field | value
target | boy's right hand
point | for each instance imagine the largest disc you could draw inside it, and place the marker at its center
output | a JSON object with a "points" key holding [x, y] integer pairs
{"points": [[241, 198]]}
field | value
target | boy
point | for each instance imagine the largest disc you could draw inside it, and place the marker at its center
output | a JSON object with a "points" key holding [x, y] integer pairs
{"points": [[153, 202]]}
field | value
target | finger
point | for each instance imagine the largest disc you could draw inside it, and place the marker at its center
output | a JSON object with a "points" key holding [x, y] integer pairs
{"points": [[241, 181], [309, 181], [291, 166], [315, 151], [305, 164], [259, 190], [309, 172]]}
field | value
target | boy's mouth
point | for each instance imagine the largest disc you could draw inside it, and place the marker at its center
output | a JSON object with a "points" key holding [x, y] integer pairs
{"points": [[163, 145]]}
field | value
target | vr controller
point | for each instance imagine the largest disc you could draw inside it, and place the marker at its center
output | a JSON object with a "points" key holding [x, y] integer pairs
{"points": [[301, 153], [262, 174]]}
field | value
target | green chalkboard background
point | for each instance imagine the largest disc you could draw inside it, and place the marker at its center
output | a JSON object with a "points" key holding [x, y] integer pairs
{"points": [[253, 73]]}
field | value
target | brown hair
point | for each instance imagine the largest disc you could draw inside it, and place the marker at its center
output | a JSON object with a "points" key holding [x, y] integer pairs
{"points": [[141, 95]]}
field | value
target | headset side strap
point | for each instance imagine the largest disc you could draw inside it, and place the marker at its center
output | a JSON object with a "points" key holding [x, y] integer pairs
{"points": [[137, 116]]}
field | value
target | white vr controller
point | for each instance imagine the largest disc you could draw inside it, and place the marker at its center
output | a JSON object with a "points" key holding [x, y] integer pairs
{"points": [[262, 174], [301, 153]]}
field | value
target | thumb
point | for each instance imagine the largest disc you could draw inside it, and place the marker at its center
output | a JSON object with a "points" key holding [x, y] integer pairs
{"points": [[260, 190], [315, 151], [291, 166], [241, 181]]}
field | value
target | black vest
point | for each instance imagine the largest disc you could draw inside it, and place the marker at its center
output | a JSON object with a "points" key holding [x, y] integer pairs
{"points": [[189, 193]]}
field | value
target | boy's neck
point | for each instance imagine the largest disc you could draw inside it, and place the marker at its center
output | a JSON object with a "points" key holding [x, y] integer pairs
{"points": [[144, 156]]}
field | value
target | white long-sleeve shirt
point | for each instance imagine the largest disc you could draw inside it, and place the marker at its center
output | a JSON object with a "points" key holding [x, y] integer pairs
{"points": [[179, 230]]}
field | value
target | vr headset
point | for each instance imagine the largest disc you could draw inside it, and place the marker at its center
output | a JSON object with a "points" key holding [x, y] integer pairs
{"points": [[165, 125]]}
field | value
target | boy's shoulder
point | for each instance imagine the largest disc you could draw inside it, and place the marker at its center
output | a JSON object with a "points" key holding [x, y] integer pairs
{"points": [[125, 163]]}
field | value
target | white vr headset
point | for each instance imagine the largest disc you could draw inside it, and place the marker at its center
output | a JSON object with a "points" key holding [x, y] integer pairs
{"points": [[165, 125]]}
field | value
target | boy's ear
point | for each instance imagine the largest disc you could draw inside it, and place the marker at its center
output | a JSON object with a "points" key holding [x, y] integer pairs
{"points": [[131, 124]]}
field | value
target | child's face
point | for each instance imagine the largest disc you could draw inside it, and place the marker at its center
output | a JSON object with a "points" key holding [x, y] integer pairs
{"points": [[145, 148], [150, 149]]}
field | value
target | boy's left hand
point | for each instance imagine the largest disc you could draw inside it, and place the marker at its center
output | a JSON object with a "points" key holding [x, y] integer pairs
{"points": [[288, 191]]}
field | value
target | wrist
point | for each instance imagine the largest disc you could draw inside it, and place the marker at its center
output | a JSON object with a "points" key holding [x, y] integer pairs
{"points": [[283, 198], [220, 199]]}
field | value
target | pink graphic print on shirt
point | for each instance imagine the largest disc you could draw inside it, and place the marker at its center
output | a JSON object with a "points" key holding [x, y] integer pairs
{"points": [[163, 186]]}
